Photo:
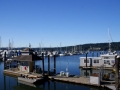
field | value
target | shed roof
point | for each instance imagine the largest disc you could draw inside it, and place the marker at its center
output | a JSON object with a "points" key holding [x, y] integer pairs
{"points": [[31, 57], [27, 50]]}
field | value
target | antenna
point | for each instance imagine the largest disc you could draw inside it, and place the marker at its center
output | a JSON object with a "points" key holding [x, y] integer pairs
{"points": [[0, 43], [9, 45], [109, 40], [12, 43]]}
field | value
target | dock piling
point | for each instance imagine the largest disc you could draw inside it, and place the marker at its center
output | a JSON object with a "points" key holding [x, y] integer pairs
{"points": [[117, 67], [48, 64], [48, 85], [86, 64], [43, 63], [86, 59], [4, 82], [97, 54], [54, 85], [17, 53], [54, 64], [4, 60]]}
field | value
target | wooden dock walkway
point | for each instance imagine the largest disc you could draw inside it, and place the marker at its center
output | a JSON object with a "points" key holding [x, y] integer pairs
{"points": [[74, 79], [71, 79], [18, 73]]}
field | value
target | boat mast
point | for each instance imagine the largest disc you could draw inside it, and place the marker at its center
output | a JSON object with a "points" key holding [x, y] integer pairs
{"points": [[12, 44], [109, 40], [9, 45], [0, 43]]}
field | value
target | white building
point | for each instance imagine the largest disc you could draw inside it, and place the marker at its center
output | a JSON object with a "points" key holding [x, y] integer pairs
{"points": [[108, 60]]}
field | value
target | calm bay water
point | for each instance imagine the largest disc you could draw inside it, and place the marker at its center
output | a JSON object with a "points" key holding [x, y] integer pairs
{"points": [[63, 62]]}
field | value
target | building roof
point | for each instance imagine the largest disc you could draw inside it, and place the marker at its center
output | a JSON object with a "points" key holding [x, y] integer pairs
{"points": [[90, 57], [29, 58], [27, 50]]}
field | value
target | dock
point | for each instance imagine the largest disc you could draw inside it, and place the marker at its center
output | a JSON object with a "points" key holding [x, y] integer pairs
{"points": [[71, 79], [96, 67], [74, 80], [18, 73]]}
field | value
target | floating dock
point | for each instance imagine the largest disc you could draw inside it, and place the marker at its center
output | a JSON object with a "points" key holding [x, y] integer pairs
{"points": [[96, 67], [18, 73], [76, 80], [71, 79]]}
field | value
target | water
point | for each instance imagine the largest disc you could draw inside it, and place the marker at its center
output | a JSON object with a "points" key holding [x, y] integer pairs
{"points": [[70, 62], [63, 62]]}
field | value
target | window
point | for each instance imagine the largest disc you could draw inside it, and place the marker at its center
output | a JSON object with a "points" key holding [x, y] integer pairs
{"points": [[106, 62], [106, 57], [85, 61], [86, 74], [113, 62], [96, 61], [112, 76]]}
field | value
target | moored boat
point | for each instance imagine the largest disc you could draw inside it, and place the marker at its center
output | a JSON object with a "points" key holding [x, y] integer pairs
{"points": [[30, 78]]}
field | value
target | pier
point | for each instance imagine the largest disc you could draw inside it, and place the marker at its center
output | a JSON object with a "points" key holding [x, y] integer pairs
{"points": [[71, 79]]}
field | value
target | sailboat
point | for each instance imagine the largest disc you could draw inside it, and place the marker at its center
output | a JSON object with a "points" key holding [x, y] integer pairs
{"points": [[60, 53], [107, 60]]}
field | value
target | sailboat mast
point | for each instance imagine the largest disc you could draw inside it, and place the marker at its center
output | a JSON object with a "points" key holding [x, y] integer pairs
{"points": [[0, 43], [109, 40]]}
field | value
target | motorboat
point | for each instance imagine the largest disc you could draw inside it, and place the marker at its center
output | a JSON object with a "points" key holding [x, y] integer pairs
{"points": [[30, 78]]}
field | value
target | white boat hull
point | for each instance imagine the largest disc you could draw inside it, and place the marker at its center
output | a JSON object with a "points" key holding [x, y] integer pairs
{"points": [[29, 80]]}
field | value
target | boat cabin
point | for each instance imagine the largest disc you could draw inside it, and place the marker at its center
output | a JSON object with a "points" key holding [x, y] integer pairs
{"points": [[108, 60], [91, 61]]}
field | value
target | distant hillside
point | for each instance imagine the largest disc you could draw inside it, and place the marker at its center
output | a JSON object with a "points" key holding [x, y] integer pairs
{"points": [[96, 46], [83, 47], [102, 46]]}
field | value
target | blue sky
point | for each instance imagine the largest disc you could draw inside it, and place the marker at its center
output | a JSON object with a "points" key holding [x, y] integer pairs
{"points": [[50, 22]]}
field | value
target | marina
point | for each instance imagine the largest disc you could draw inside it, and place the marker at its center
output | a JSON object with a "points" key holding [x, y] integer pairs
{"points": [[30, 76], [59, 45], [30, 67]]}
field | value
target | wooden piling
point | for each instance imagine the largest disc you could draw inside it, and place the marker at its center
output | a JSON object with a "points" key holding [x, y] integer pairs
{"points": [[54, 64], [117, 67], [97, 54], [48, 64], [17, 53], [43, 63], [86, 64], [86, 59], [4, 60], [54, 85], [4, 82], [48, 85]]}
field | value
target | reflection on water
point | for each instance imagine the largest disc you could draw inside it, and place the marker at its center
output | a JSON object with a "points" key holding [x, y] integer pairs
{"points": [[12, 84], [109, 73]]}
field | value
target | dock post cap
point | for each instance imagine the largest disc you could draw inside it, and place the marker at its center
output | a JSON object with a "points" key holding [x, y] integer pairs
{"points": [[118, 56]]}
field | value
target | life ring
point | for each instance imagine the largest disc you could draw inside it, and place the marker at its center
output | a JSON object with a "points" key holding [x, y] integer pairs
{"points": [[25, 67]]}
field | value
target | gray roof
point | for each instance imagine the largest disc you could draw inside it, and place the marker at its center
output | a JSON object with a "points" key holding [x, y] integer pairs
{"points": [[27, 50], [31, 57]]}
